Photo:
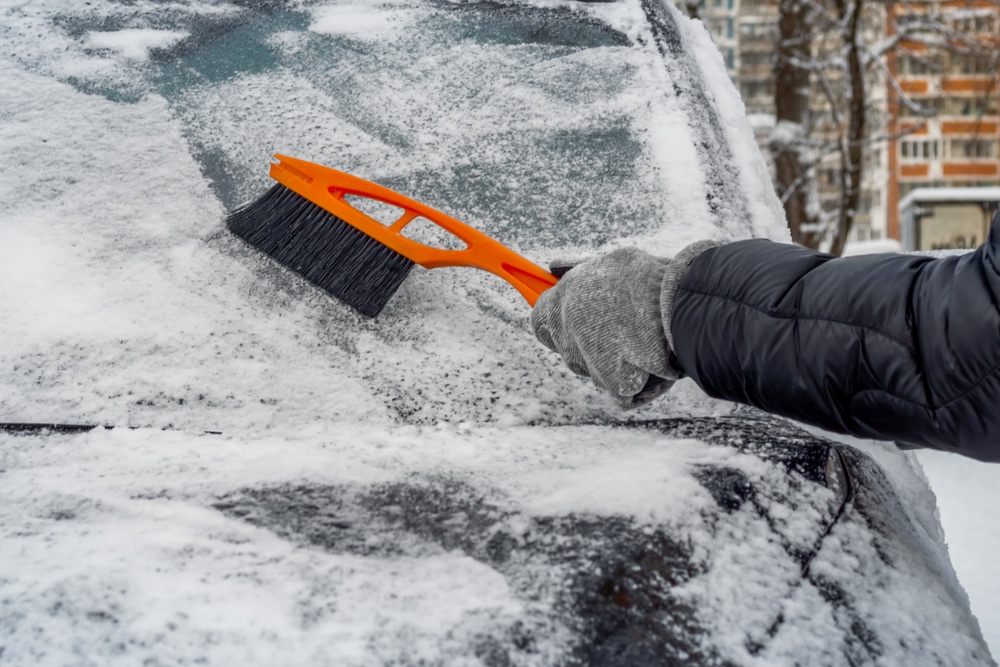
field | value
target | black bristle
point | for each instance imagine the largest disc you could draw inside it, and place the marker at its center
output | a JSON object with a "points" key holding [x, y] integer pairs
{"points": [[347, 263]]}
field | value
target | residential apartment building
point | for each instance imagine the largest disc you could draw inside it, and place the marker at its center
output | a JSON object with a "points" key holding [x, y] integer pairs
{"points": [[829, 129], [746, 33], [756, 48], [721, 18], [958, 147]]}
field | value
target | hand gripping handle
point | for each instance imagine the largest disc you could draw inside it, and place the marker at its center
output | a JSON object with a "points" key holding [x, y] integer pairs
{"points": [[327, 188]]}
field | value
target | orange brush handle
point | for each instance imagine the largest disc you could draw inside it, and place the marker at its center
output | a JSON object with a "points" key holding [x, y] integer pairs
{"points": [[327, 187]]}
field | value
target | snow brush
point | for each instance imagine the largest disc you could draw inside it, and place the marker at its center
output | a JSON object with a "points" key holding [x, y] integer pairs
{"points": [[305, 223]]}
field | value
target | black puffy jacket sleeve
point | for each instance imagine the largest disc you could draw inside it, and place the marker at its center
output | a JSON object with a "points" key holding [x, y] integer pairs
{"points": [[890, 347]]}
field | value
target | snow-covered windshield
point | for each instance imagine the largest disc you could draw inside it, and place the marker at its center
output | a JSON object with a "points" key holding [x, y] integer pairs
{"points": [[555, 130], [265, 495]]}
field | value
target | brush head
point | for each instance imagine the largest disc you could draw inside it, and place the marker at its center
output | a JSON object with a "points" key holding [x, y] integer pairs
{"points": [[319, 246]]}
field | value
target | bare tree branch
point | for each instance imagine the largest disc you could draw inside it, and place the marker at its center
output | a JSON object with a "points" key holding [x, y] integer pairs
{"points": [[842, 48]]}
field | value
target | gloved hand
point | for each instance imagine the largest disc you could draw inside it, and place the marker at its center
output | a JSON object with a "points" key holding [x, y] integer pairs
{"points": [[604, 318]]}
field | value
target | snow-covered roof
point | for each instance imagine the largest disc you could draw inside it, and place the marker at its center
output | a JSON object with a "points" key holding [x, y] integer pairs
{"points": [[986, 193]]}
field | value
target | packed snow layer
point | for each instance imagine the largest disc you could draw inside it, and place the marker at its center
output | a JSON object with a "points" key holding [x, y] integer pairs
{"points": [[361, 21], [135, 44], [114, 550], [126, 303], [100, 154], [968, 495]]}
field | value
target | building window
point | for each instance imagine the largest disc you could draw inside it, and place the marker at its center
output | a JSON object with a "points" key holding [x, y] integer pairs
{"points": [[928, 106], [974, 24], [757, 59], [869, 200], [918, 150], [751, 89], [873, 160], [971, 149], [729, 28], [756, 27], [912, 64], [730, 59], [966, 63], [828, 176], [970, 106]]}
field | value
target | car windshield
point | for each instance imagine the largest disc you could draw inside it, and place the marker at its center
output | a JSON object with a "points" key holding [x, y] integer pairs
{"points": [[527, 125], [561, 131], [540, 126]]}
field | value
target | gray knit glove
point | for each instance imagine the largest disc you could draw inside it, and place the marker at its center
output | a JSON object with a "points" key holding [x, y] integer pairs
{"points": [[604, 318]]}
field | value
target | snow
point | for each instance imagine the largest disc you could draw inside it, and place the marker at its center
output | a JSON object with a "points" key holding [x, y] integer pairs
{"points": [[967, 497], [946, 194], [871, 247], [360, 20], [767, 217], [134, 44], [761, 121], [787, 133], [127, 304]]}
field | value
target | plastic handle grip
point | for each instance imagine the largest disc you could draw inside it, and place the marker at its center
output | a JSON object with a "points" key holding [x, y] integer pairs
{"points": [[327, 188]]}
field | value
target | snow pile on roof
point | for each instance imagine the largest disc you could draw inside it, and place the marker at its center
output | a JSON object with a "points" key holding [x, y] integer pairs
{"points": [[951, 194]]}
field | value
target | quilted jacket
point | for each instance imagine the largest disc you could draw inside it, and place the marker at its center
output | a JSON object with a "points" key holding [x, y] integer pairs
{"points": [[891, 347]]}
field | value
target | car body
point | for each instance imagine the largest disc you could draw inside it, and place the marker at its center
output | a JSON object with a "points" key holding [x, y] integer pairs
{"points": [[205, 459]]}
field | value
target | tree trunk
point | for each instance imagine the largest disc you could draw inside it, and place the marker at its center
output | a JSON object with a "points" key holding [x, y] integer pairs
{"points": [[791, 99], [851, 163]]}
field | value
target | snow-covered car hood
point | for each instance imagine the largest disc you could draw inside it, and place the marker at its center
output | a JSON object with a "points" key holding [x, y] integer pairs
{"points": [[289, 483]]}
